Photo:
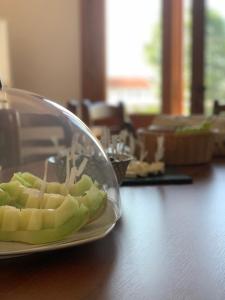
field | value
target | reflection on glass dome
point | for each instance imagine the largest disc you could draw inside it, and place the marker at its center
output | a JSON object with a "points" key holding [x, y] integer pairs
{"points": [[43, 145]]}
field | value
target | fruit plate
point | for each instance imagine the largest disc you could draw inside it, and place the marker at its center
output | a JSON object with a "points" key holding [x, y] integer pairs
{"points": [[91, 232]]}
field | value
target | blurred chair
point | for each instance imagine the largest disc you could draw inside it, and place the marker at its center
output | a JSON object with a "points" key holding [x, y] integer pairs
{"points": [[75, 106], [103, 114], [218, 108], [42, 136]]}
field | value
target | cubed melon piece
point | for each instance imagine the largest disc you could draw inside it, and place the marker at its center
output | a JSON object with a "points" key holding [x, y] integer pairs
{"points": [[81, 186], [35, 221], [10, 218]]}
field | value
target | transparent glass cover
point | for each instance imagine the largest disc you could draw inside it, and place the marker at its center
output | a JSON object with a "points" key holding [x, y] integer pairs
{"points": [[43, 138]]}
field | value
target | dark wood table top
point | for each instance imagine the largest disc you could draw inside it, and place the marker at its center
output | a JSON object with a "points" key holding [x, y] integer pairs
{"points": [[168, 245]]}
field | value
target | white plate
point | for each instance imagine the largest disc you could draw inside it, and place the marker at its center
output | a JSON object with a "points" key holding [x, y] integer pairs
{"points": [[91, 232]]}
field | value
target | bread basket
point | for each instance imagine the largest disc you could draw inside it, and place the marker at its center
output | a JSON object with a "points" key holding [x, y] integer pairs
{"points": [[180, 149]]}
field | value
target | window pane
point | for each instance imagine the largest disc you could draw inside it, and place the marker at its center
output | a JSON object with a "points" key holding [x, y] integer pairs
{"points": [[134, 54], [214, 54]]}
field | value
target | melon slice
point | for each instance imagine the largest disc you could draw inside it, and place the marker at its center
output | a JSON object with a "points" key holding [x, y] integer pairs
{"points": [[42, 236], [33, 181], [81, 186], [14, 189], [9, 218], [52, 201], [33, 201], [25, 215], [4, 197], [66, 210], [21, 179], [48, 218], [35, 220], [95, 201]]}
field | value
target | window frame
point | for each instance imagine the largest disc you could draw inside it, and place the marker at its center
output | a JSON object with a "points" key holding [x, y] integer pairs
{"points": [[198, 52]]}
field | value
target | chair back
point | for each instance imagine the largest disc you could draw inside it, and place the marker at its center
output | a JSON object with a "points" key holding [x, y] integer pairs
{"points": [[218, 108], [75, 107], [103, 114]]}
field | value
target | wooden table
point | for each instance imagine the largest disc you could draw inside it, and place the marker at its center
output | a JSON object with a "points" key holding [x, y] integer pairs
{"points": [[169, 244]]}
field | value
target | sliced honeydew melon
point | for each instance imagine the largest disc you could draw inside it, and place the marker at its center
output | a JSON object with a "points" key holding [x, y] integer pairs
{"points": [[66, 210], [76, 189], [78, 220], [31, 198], [16, 196], [48, 218], [13, 219], [95, 201], [63, 189], [25, 177], [34, 181], [56, 188], [22, 180], [33, 201], [35, 221], [38, 184], [10, 218], [25, 215], [13, 188], [53, 187], [4, 197], [81, 186], [21, 200], [52, 200]]}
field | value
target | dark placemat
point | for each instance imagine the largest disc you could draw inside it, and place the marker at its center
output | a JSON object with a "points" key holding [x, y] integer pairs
{"points": [[169, 177]]}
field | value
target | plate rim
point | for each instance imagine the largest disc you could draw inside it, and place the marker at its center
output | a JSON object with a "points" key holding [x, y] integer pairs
{"points": [[57, 246]]}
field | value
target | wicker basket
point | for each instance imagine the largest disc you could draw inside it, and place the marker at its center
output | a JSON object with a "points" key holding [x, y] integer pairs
{"points": [[219, 144], [180, 149], [120, 167]]}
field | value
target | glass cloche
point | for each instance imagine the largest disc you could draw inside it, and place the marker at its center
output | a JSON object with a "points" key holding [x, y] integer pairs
{"points": [[48, 158]]}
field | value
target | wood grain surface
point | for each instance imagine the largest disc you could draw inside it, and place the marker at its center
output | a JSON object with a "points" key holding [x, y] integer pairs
{"points": [[168, 245]]}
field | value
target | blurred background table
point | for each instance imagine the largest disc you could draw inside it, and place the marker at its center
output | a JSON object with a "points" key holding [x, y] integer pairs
{"points": [[169, 244]]}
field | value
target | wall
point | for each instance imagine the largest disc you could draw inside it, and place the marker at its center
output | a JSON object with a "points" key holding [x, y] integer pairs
{"points": [[44, 46]]}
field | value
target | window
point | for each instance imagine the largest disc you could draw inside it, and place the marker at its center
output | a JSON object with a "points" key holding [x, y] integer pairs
{"points": [[133, 50], [157, 60], [214, 53]]}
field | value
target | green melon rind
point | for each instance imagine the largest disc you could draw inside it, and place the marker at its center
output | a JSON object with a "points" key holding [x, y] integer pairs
{"points": [[13, 190], [23, 181], [95, 201], [4, 197], [44, 236], [81, 186]]}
